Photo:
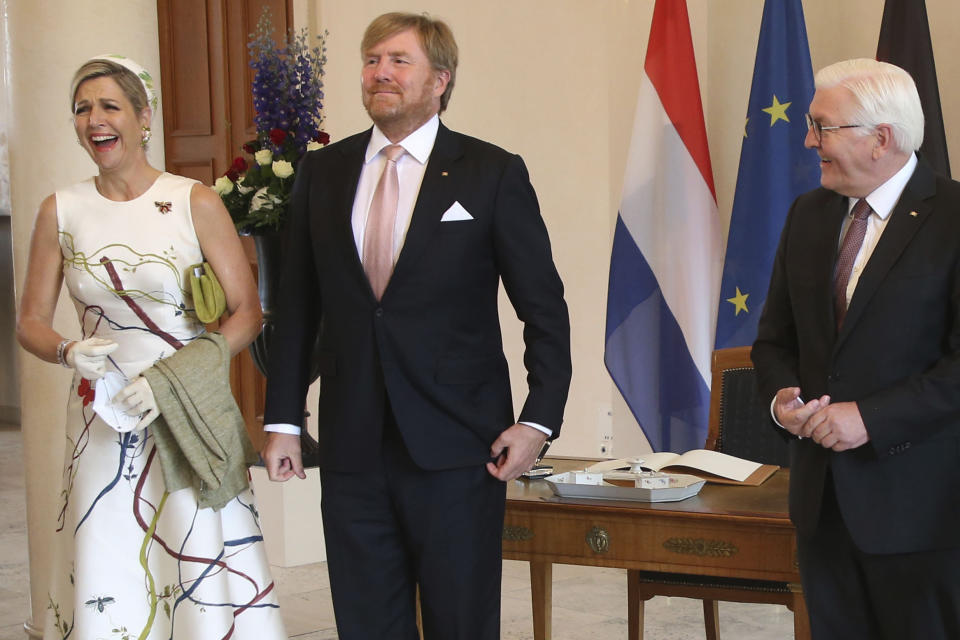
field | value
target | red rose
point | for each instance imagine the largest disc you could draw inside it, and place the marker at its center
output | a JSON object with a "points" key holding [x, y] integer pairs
{"points": [[277, 136], [239, 164], [323, 137], [233, 175], [249, 148]]}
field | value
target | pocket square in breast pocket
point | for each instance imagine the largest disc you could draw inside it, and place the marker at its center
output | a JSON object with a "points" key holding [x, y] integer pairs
{"points": [[456, 213]]}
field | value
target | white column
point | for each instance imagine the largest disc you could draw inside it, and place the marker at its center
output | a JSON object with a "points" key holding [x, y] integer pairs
{"points": [[49, 40]]}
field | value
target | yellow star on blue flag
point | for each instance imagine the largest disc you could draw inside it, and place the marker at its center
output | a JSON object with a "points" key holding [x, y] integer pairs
{"points": [[739, 302], [777, 110]]}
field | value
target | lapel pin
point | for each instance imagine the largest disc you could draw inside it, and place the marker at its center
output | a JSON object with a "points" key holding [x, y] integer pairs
{"points": [[913, 214], [446, 173]]}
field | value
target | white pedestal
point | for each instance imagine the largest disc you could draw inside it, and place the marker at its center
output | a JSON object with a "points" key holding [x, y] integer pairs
{"points": [[290, 518]]}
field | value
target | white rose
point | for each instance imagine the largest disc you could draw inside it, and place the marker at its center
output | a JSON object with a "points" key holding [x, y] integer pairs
{"points": [[282, 169], [242, 186], [263, 157], [223, 185], [263, 198], [313, 145]]}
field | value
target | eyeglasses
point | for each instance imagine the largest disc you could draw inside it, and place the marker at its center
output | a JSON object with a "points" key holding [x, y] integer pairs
{"points": [[818, 128]]}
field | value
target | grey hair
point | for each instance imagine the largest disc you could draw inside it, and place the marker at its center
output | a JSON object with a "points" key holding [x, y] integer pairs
{"points": [[885, 94]]}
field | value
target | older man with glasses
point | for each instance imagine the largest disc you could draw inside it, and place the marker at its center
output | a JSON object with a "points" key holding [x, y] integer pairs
{"points": [[858, 348]]}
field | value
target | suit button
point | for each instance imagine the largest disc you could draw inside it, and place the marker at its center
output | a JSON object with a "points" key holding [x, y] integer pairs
{"points": [[378, 312]]}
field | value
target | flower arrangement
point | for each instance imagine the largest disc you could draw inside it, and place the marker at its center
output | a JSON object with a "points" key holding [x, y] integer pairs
{"points": [[288, 100]]}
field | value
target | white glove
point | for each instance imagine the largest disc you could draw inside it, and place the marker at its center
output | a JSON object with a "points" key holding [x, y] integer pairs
{"points": [[137, 399], [89, 357]]}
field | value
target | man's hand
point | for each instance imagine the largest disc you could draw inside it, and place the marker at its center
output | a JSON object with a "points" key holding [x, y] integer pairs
{"points": [[515, 450], [282, 457], [792, 413], [838, 427]]}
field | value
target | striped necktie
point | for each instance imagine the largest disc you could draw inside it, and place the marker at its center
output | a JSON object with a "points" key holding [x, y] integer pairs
{"points": [[848, 255]]}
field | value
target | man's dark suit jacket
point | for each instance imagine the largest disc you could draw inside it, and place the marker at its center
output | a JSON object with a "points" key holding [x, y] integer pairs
{"points": [[897, 355], [433, 342]]}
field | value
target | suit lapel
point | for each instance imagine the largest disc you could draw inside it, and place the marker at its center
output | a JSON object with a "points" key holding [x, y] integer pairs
{"points": [[436, 195], [343, 191], [907, 217], [826, 259]]}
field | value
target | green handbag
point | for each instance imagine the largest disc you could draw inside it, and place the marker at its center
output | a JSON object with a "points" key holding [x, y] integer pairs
{"points": [[209, 300]]}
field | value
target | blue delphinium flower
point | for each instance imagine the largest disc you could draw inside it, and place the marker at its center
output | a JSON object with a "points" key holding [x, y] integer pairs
{"points": [[288, 101]]}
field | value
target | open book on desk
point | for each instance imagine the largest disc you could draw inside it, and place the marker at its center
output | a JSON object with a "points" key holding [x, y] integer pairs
{"points": [[712, 466]]}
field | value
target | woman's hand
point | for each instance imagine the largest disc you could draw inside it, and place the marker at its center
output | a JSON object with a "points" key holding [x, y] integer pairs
{"points": [[89, 357], [137, 399]]}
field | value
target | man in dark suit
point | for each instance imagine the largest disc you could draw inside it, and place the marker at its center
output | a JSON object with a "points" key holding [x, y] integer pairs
{"points": [[417, 434], [859, 349]]}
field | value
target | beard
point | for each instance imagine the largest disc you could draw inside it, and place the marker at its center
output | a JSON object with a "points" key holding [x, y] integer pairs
{"points": [[396, 108]]}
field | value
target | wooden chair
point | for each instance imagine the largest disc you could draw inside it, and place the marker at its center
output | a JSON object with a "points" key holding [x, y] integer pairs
{"points": [[740, 425]]}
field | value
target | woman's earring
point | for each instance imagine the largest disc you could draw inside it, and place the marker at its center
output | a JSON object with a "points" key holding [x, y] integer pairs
{"points": [[145, 135]]}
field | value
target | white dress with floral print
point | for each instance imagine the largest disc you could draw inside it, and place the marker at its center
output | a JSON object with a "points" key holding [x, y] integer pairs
{"points": [[132, 560]]}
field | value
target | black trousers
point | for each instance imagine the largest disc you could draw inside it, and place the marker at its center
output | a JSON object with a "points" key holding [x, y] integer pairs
{"points": [[393, 526], [852, 595]]}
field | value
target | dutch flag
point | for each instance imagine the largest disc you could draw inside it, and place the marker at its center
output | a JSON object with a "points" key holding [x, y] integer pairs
{"points": [[666, 260]]}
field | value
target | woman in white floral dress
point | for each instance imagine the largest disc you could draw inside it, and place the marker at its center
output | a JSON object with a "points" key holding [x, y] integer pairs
{"points": [[132, 560]]}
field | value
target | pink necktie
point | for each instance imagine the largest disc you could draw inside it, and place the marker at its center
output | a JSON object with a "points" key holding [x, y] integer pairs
{"points": [[381, 220], [848, 255]]}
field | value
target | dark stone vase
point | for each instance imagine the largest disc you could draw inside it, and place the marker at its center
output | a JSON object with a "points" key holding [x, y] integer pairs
{"points": [[269, 264]]}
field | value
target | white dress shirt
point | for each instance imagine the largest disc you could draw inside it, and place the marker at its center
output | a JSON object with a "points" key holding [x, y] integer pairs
{"points": [[410, 169], [882, 200]]}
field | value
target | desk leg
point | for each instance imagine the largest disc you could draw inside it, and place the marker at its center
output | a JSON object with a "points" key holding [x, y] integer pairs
{"points": [[801, 619], [541, 591], [635, 606], [419, 615], [711, 619]]}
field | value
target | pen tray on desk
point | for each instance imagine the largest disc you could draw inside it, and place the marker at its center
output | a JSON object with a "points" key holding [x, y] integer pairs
{"points": [[681, 487]]}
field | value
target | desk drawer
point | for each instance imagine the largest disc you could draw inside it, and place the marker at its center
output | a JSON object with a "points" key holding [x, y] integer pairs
{"points": [[657, 542]]}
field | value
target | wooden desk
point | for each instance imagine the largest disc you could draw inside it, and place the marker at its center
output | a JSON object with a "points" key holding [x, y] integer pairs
{"points": [[727, 531]]}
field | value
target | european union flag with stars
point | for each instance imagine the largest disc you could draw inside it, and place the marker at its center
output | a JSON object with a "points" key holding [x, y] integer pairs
{"points": [[774, 168]]}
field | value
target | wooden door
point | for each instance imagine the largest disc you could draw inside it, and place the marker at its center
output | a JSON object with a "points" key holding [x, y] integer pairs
{"points": [[207, 108], [205, 79]]}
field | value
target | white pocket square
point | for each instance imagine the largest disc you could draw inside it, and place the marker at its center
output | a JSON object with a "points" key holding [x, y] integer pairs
{"points": [[455, 213]]}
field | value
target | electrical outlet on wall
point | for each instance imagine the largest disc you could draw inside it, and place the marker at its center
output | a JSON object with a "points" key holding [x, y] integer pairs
{"points": [[605, 430]]}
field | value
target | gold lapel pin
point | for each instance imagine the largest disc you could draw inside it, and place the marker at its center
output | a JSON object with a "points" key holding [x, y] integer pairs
{"points": [[913, 214], [446, 173]]}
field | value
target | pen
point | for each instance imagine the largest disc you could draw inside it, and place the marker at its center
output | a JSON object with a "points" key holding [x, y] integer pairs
{"points": [[543, 452], [116, 366]]}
